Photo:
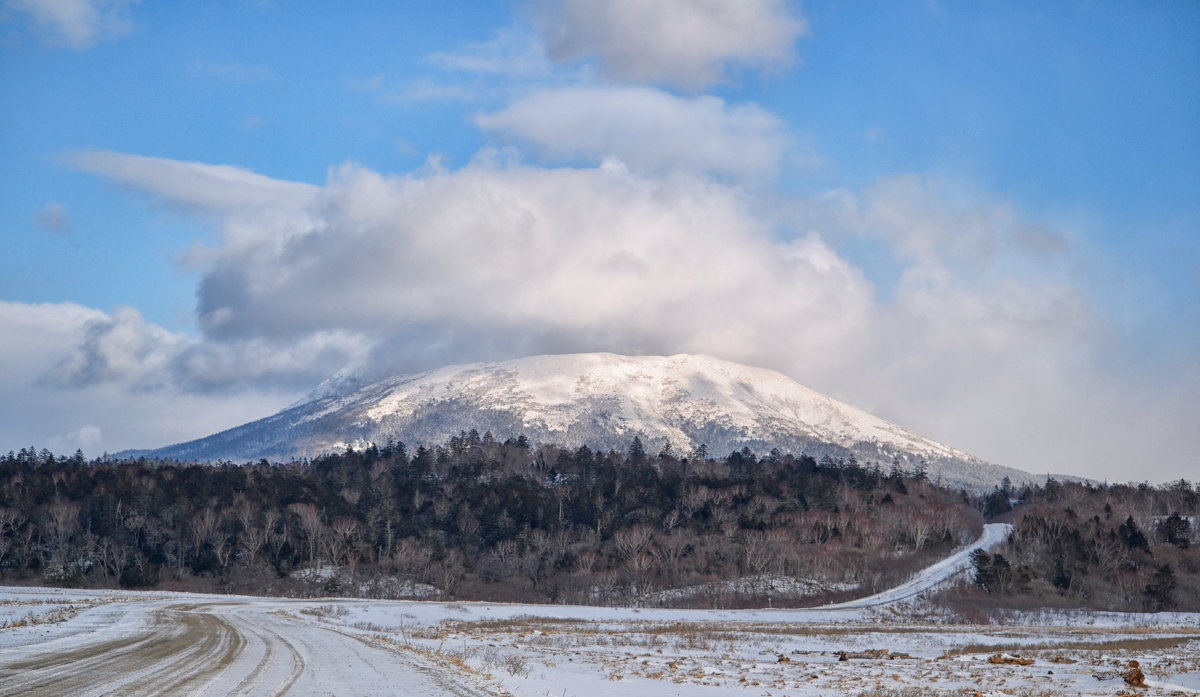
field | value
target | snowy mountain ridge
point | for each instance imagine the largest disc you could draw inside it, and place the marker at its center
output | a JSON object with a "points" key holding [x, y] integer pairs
{"points": [[601, 400]]}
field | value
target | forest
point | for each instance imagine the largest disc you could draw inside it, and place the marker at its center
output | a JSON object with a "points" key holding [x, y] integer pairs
{"points": [[1127, 547], [479, 519]]}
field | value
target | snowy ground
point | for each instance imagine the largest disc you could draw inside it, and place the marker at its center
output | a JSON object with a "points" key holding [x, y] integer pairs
{"points": [[57, 642]]}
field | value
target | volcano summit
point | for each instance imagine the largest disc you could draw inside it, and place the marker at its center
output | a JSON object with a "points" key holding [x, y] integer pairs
{"points": [[601, 400]]}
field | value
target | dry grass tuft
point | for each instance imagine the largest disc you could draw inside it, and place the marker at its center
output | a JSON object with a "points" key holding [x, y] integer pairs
{"points": [[1126, 644]]}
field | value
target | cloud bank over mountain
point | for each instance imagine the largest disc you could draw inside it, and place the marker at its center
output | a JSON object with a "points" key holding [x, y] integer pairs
{"points": [[613, 207], [382, 274]]}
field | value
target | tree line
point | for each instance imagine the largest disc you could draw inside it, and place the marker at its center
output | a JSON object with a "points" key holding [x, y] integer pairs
{"points": [[475, 518]]}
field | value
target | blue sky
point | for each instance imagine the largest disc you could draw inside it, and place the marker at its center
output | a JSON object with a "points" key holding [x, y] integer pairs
{"points": [[979, 220]]}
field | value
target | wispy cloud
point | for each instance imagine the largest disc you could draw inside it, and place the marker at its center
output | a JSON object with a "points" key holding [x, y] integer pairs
{"points": [[252, 123], [404, 93], [234, 72], [212, 188], [930, 221], [514, 53], [647, 129], [53, 218], [684, 43], [75, 24]]}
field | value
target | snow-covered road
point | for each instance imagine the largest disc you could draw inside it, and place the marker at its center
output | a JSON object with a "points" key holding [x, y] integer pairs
{"points": [[238, 648], [994, 534]]}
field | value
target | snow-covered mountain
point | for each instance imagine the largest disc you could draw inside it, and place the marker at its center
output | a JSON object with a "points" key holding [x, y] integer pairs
{"points": [[600, 400]]}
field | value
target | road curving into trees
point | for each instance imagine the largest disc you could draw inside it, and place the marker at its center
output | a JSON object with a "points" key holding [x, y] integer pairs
{"points": [[994, 535]]}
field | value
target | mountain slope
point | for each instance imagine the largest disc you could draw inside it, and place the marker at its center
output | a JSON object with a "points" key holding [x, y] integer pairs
{"points": [[600, 400]]}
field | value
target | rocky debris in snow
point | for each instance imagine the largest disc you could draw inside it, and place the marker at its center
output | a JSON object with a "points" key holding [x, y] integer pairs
{"points": [[872, 654], [1134, 677], [1007, 659], [770, 585]]}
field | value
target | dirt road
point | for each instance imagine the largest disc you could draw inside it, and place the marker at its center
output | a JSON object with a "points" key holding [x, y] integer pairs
{"points": [[236, 648]]}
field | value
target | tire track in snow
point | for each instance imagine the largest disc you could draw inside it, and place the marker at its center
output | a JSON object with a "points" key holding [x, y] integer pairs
{"points": [[439, 675], [111, 666], [214, 646], [298, 666], [271, 640], [75, 670], [211, 650], [250, 682]]}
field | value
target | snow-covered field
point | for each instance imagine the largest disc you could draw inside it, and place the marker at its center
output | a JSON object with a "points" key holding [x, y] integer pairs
{"points": [[58, 642]]}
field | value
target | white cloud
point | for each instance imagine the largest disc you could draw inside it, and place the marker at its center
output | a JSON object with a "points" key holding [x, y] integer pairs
{"points": [[647, 129], [986, 341], [218, 189], [990, 341], [76, 24], [933, 221], [245, 203], [500, 258], [82, 378], [34, 331], [686, 43], [490, 261], [514, 53], [266, 364], [121, 347], [89, 439], [53, 218], [534, 260]]}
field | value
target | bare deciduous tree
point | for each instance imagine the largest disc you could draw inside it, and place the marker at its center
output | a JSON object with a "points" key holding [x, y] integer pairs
{"points": [[632, 540], [310, 523]]}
